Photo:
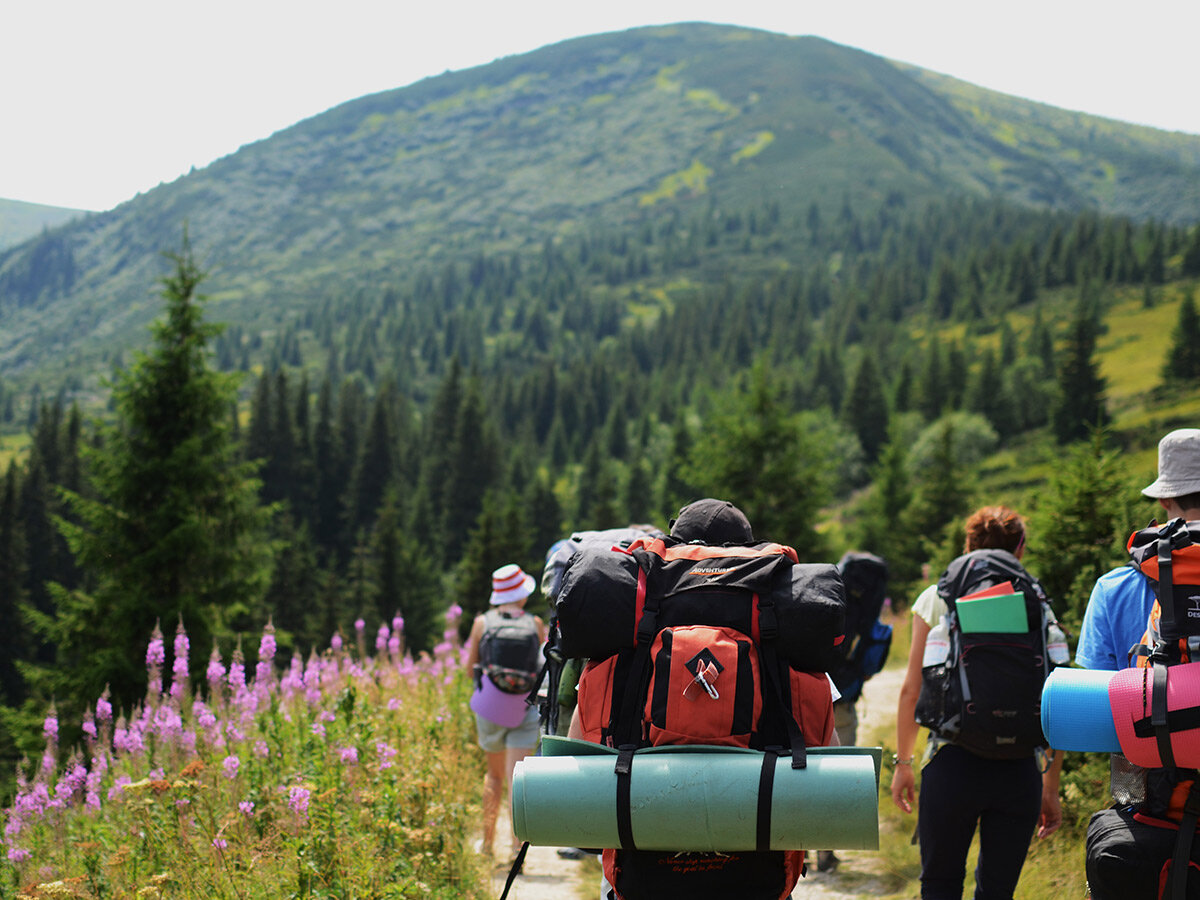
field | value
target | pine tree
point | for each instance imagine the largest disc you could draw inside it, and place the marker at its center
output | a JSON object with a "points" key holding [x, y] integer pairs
{"points": [[1078, 529], [14, 638], [172, 528], [755, 454], [1080, 405], [1183, 360], [866, 410]]}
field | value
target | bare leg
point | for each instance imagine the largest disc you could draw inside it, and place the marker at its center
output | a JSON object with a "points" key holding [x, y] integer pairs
{"points": [[493, 787]]}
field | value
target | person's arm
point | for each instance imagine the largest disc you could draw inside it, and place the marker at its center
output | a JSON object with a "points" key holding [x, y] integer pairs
{"points": [[1051, 815], [904, 779], [473, 643], [1095, 650]]}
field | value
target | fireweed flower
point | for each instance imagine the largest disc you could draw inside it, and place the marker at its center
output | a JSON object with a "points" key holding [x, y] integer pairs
{"points": [[298, 800], [104, 712], [17, 854], [360, 624], [155, 656], [261, 749], [397, 623], [179, 668], [454, 613], [89, 725], [381, 638], [50, 726], [230, 765], [219, 843], [386, 754], [247, 808], [349, 755], [336, 643], [215, 672]]}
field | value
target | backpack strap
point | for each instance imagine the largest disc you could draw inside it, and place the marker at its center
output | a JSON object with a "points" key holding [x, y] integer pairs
{"points": [[1176, 887], [775, 671], [1158, 714], [627, 729]]}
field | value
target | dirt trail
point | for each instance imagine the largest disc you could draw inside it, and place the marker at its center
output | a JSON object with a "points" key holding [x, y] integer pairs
{"points": [[548, 877]]}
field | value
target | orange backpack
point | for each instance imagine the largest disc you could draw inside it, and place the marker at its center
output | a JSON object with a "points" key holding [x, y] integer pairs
{"points": [[700, 660]]}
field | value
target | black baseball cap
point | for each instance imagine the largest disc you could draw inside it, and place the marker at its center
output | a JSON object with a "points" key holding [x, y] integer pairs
{"points": [[713, 522]]}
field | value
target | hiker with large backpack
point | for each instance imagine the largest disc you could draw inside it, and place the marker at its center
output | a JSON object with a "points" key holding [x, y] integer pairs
{"points": [[863, 652], [1121, 601], [504, 651], [702, 637], [1138, 849], [983, 642]]}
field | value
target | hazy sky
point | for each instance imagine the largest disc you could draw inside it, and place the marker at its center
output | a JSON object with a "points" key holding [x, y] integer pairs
{"points": [[101, 100]]}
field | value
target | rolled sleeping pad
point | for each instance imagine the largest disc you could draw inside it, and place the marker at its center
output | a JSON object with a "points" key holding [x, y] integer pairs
{"points": [[1131, 698], [700, 799], [1075, 711], [598, 609]]}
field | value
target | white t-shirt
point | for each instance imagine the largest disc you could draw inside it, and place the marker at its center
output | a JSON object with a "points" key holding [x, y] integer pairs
{"points": [[929, 606]]}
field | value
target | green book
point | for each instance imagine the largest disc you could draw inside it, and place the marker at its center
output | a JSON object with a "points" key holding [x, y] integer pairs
{"points": [[1001, 614]]}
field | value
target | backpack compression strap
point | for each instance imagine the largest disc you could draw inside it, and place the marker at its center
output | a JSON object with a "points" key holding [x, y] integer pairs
{"points": [[1176, 887], [627, 730]]}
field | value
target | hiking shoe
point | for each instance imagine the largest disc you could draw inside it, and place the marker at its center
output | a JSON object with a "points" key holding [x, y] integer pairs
{"points": [[571, 853], [826, 861]]}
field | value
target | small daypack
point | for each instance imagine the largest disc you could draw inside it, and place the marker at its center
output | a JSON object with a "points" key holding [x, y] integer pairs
{"points": [[694, 650], [868, 640], [985, 694], [1158, 718], [509, 650]]}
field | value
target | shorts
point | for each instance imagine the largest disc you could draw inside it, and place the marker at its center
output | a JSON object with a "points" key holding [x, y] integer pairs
{"points": [[495, 738]]}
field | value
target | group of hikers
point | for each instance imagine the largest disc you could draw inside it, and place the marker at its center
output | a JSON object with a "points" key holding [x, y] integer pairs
{"points": [[704, 635]]}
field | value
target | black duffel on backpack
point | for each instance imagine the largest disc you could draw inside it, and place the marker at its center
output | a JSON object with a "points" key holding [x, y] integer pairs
{"points": [[985, 696]]}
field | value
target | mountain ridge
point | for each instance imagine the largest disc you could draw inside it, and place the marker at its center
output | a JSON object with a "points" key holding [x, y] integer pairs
{"points": [[602, 131]]}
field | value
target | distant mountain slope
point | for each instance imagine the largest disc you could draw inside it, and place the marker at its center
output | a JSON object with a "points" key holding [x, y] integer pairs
{"points": [[20, 221], [605, 131]]}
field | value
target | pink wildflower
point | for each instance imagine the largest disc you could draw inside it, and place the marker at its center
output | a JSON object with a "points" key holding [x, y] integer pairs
{"points": [[360, 624], [219, 843], [381, 638], [156, 653], [230, 765], [50, 726], [261, 749], [397, 623], [298, 798], [336, 643], [17, 854], [247, 808], [104, 710], [386, 754], [216, 670], [453, 614], [179, 668], [349, 755]]}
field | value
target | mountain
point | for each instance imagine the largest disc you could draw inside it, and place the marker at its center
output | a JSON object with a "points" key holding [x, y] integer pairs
{"points": [[608, 132], [20, 221]]}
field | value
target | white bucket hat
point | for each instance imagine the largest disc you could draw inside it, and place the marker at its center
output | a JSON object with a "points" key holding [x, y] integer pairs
{"points": [[509, 584], [1178, 465]]}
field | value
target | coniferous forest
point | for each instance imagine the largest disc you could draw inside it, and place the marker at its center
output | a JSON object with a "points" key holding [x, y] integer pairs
{"points": [[450, 324], [391, 449]]}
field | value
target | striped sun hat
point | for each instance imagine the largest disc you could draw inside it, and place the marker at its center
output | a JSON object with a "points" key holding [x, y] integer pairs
{"points": [[510, 584]]}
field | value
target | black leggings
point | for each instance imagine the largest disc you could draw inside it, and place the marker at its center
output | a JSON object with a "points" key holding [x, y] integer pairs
{"points": [[960, 789]]}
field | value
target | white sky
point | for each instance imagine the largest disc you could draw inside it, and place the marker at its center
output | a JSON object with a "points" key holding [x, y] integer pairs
{"points": [[101, 100]]}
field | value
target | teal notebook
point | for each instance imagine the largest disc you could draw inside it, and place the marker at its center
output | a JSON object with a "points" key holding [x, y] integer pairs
{"points": [[999, 614]]}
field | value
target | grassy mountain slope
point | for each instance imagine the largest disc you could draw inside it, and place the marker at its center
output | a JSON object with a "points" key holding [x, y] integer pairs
{"points": [[20, 221], [608, 131]]}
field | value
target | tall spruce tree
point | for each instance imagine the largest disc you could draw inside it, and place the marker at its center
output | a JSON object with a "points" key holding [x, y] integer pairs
{"points": [[171, 529], [1183, 360], [866, 409], [755, 454], [1080, 405]]}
